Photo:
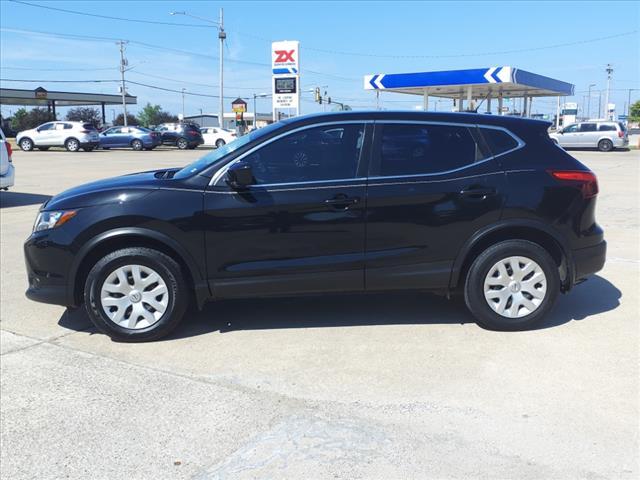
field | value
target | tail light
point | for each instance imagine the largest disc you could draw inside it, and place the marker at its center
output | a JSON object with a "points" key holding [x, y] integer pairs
{"points": [[9, 149], [193, 132], [620, 134], [585, 180], [85, 131]]}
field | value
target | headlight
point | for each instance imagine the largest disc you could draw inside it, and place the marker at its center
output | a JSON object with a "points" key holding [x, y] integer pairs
{"points": [[47, 220]]}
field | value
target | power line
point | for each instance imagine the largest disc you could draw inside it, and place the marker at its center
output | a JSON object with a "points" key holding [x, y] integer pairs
{"points": [[58, 69], [107, 17]]}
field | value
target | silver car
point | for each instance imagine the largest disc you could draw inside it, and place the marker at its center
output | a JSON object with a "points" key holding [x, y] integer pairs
{"points": [[71, 135], [601, 134]]}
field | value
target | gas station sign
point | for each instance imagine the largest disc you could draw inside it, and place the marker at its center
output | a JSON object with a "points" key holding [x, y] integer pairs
{"points": [[285, 66]]}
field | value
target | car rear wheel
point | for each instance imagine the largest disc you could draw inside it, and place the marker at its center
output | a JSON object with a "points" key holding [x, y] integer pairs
{"points": [[605, 145], [182, 144], [220, 142], [136, 294], [72, 145], [512, 285], [137, 145], [43, 149], [88, 149], [26, 144]]}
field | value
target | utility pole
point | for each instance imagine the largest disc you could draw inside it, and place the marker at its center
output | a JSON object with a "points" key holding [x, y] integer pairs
{"points": [[183, 104], [222, 35], [606, 102], [123, 65], [600, 104], [589, 101]]}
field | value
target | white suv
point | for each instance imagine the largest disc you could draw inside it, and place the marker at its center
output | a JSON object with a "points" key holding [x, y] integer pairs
{"points": [[7, 171], [71, 135], [604, 135]]}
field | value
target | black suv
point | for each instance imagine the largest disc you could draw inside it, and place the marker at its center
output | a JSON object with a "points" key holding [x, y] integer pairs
{"points": [[181, 135], [349, 202]]}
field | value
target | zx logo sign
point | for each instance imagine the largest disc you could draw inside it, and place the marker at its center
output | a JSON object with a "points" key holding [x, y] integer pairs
{"points": [[284, 56]]}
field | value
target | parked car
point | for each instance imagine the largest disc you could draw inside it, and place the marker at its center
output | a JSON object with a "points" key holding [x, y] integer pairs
{"points": [[217, 137], [182, 135], [71, 135], [483, 205], [7, 170], [137, 138], [601, 134]]}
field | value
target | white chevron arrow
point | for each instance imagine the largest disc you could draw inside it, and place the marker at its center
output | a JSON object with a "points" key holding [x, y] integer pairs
{"points": [[488, 74], [504, 74], [378, 81]]}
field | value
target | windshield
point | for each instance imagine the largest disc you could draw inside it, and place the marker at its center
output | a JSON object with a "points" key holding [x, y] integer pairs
{"points": [[219, 153]]}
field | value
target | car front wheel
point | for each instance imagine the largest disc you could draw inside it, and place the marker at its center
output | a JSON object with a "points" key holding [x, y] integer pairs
{"points": [[512, 285], [26, 144], [220, 143], [136, 294]]}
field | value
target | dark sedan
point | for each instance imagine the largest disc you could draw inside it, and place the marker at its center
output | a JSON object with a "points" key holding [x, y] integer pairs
{"points": [[181, 135], [137, 138]]}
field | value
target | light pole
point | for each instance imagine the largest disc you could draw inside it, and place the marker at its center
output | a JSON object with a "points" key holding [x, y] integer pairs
{"points": [[183, 104], [609, 71], [123, 65], [589, 101], [255, 111], [222, 35]]}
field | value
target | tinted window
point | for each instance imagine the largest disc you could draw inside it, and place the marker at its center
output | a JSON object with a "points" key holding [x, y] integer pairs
{"points": [[570, 129], [88, 126], [309, 155], [607, 128], [68, 126], [46, 126], [588, 127], [424, 149], [499, 141]]}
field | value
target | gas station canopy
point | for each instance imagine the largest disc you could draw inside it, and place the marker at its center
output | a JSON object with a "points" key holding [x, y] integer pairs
{"points": [[471, 84]]}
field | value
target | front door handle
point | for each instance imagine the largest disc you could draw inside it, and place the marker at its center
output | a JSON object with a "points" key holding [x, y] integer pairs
{"points": [[342, 201], [478, 193]]}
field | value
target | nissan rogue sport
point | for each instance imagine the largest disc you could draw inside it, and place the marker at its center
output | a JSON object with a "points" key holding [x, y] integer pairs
{"points": [[483, 205]]}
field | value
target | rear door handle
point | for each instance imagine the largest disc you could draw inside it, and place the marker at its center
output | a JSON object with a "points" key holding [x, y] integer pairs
{"points": [[478, 193], [342, 201]]}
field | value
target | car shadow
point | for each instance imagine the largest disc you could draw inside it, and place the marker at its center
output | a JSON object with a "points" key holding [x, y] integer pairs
{"points": [[19, 199], [593, 297]]}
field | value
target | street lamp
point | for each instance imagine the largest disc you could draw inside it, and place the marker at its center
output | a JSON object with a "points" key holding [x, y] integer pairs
{"points": [[255, 111], [589, 101], [183, 90], [222, 35]]}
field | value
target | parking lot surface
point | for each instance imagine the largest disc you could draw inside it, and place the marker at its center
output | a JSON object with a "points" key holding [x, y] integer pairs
{"points": [[398, 385]]}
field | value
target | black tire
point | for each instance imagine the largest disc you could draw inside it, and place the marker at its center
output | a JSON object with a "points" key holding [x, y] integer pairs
{"points": [[182, 143], [105, 148], [166, 267], [88, 149], [605, 145], [475, 300], [26, 144], [72, 145], [137, 145], [43, 149], [220, 143]]}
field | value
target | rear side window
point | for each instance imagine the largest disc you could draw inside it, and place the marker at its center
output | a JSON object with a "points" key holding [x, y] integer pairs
{"points": [[88, 126], [607, 128], [498, 141], [413, 149], [588, 127]]}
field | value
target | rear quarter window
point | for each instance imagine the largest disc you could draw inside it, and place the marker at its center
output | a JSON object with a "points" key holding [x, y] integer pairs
{"points": [[607, 128], [499, 141], [88, 126]]}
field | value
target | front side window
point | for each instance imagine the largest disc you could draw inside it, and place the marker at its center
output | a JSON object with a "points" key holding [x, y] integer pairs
{"points": [[571, 129], [588, 127], [426, 149], [310, 155], [45, 127]]}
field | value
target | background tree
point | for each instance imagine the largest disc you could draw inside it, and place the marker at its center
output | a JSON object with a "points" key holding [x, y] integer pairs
{"points": [[131, 120], [24, 120], [154, 115], [85, 114], [634, 112]]}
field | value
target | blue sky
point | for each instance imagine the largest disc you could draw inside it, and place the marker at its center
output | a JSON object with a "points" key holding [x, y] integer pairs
{"points": [[341, 40]]}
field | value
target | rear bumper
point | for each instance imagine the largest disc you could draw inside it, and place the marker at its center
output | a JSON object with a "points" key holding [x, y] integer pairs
{"points": [[589, 260], [8, 178]]}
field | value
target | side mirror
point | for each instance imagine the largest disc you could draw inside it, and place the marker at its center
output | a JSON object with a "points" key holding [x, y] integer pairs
{"points": [[239, 176]]}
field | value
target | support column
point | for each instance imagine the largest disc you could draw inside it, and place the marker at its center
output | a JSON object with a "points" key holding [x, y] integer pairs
{"points": [[53, 106], [461, 102], [489, 103], [104, 118], [500, 99], [524, 106], [425, 100], [530, 105], [470, 98], [558, 114]]}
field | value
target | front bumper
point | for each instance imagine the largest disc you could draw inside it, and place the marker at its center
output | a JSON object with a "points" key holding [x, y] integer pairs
{"points": [[7, 180], [589, 260]]}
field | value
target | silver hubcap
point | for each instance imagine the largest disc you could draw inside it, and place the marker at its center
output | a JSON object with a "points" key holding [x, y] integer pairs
{"points": [[134, 296], [73, 145], [515, 287]]}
